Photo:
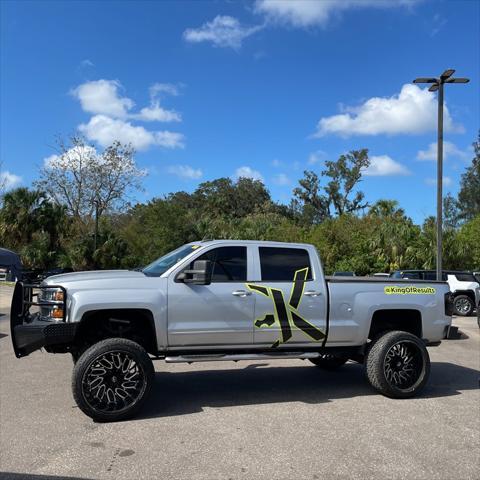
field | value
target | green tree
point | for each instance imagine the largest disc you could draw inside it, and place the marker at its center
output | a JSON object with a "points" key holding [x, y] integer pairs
{"points": [[343, 243], [469, 238], [309, 201], [469, 194], [223, 197], [86, 181], [339, 195], [450, 212], [32, 225], [392, 237], [454, 255]]}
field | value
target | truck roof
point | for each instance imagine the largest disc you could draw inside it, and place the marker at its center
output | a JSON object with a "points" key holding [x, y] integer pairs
{"points": [[254, 242]]}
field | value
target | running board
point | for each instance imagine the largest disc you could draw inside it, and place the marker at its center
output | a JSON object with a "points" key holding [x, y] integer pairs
{"points": [[240, 356]]}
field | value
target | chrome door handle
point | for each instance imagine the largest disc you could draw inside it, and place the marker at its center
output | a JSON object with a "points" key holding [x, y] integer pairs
{"points": [[241, 293], [312, 293]]}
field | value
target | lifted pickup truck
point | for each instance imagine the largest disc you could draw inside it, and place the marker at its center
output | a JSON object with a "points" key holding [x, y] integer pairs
{"points": [[227, 300]]}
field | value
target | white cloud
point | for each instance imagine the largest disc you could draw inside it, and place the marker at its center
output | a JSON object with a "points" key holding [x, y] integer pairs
{"points": [[106, 130], [102, 97], [222, 31], [412, 111], [248, 172], [447, 181], [86, 63], [157, 88], [111, 113], [449, 150], [276, 163], [185, 171], [74, 158], [281, 179], [317, 157], [308, 13], [383, 165], [9, 180], [155, 113], [438, 23]]}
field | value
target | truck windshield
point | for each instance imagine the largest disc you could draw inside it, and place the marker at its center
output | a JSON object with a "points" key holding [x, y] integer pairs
{"points": [[162, 264]]}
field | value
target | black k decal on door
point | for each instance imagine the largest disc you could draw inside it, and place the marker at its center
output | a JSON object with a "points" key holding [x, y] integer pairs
{"points": [[287, 315]]}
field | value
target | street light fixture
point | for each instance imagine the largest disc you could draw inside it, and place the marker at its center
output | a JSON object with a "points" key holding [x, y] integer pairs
{"points": [[437, 84]]}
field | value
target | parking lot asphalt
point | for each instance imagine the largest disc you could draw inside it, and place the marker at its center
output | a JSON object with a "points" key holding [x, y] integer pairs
{"points": [[281, 419]]}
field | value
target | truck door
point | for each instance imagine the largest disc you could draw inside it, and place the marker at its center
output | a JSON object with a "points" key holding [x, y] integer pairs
{"points": [[217, 314], [291, 303]]}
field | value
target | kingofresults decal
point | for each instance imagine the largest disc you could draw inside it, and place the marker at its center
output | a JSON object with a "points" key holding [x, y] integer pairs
{"points": [[410, 290], [287, 315]]}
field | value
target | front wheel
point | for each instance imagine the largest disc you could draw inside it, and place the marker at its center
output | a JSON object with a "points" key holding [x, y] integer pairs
{"points": [[398, 365], [463, 305], [111, 379]]}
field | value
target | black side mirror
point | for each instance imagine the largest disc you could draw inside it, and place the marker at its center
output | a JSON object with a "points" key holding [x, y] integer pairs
{"points": [[200, 275]]}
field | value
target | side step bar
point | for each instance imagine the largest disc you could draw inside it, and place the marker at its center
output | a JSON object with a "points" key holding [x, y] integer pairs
{"points": [[240, 356]]}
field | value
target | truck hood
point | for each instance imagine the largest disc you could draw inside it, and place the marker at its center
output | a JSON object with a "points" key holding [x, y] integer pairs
{"points": [[95, 275]]}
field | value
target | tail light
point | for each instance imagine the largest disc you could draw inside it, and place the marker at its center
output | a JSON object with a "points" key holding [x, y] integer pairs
{"points": [[449, 304]]}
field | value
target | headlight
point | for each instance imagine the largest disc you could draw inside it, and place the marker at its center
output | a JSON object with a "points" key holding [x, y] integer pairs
{"points": [[52, 303], [52, 295], [54, 312]]}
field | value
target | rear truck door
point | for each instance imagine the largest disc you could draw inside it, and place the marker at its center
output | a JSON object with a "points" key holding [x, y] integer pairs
{"points": [[219, 314], [291, 298]]}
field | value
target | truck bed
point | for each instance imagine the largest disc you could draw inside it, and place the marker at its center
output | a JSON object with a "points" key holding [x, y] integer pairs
{"points": [[332, 279]]}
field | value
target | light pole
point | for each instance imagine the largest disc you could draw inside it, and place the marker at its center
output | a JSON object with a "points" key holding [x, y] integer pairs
{"points": [[438, 84], [96, 227]]}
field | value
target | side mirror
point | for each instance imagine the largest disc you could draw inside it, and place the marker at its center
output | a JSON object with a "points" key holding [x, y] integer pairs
{"points": [[200, 275]]}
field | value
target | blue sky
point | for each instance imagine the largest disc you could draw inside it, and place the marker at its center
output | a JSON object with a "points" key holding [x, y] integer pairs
{"points": [[264, 89]]}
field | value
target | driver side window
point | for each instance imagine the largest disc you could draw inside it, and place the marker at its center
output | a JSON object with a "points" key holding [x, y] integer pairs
{"points": [[229, 264]]}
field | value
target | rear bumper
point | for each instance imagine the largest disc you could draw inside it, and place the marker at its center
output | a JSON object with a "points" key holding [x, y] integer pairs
{"points": [[29, 332]]}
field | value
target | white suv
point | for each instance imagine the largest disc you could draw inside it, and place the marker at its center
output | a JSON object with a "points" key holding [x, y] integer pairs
{"points": [[463, 285]]}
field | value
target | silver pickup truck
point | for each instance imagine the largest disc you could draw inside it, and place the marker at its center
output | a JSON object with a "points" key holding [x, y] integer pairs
{"points": [[227, 300]]}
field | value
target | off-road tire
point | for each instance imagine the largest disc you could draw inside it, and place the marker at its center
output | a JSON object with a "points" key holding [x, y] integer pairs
{"points": [[385, 355], [112, 379], [465, 301], [329, 362]]}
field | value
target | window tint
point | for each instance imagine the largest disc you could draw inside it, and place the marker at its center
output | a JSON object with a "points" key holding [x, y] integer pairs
{"points": [[465, 277], [229, 264], [412, 275], [280, 264], [430, 275]]}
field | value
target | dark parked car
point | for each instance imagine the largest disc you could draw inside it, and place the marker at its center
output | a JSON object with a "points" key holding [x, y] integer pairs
{"points": [[57, 271], [37, 276]]}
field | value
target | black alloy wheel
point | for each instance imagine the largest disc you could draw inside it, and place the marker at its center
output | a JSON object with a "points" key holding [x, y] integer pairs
{"points": [[397, 364], [112, 379]]}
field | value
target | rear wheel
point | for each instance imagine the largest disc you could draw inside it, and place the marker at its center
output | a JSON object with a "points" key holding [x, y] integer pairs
{"points": [[398, 364], [463, 305], [328, 361], [112, 379]]}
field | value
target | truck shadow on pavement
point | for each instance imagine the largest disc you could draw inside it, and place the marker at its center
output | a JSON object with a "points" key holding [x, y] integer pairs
{"points": [[182, 393]]}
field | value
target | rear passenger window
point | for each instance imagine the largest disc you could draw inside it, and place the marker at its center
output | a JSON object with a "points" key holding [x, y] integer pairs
{"points": [[465, 277], [280, 264], [229, 264], [430, 275]]}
